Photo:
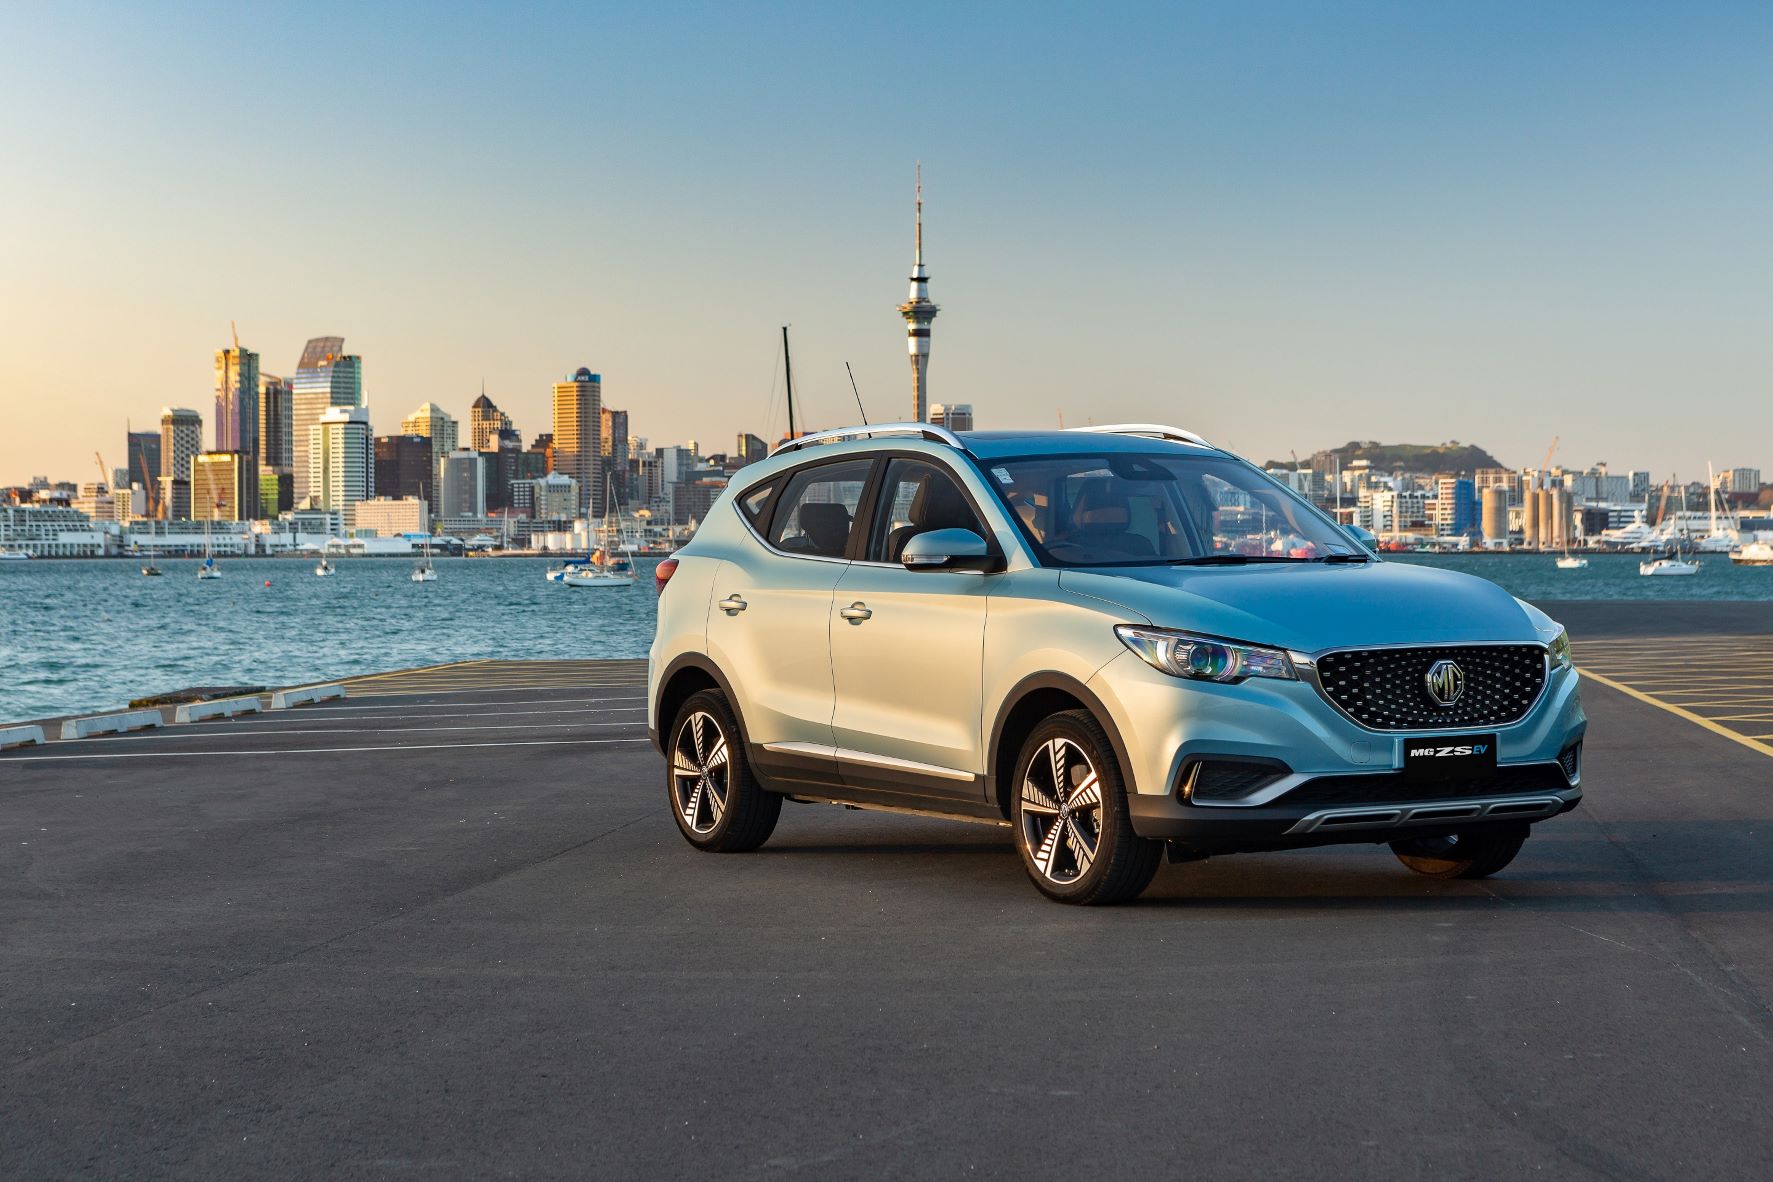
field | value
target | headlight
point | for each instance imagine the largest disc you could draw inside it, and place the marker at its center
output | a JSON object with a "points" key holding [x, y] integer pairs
{"points": [[1203, 658], [1560, 651]]}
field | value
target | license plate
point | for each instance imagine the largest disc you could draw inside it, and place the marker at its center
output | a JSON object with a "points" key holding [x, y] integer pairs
{"points": [[1449, 757]]}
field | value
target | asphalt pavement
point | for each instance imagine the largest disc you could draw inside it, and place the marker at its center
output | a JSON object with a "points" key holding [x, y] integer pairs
{"points": [[447, 928]]}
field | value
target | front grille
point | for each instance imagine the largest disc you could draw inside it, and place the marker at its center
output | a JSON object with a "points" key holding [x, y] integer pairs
{"points": [[1393, 788], [1387, 688], [1228, 780]]}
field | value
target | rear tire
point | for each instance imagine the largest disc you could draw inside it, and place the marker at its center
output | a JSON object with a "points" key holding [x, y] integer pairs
{"points": [[1476, 853], [1070, 815], [719, 805]]}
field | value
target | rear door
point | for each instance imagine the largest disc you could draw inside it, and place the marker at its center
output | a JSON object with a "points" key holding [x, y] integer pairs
{"points": [[907, 648], [769, 622]]}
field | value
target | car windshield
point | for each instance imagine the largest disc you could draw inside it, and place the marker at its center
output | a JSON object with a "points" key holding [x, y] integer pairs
{"points": [[1154, 510]]}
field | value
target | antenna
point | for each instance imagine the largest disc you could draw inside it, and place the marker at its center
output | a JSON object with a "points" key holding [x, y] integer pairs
{"points": [[858, 393]]}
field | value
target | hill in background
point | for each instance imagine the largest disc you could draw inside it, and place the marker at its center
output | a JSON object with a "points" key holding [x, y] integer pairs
{"points": [[1451, 456]]}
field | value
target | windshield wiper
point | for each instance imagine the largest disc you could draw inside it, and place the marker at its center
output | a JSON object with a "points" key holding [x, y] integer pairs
{"points": [[1343, 558], [1234, 559]]}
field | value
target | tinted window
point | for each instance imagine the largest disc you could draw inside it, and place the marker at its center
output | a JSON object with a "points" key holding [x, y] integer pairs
{"points": [[1130, 510], [917, 497], [818, 509], [756, 501]]}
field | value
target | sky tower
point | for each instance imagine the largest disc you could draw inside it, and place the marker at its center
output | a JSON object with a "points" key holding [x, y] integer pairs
{"points": [[919, 313]]}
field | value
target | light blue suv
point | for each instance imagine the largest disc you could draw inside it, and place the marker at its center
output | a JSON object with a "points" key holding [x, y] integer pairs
{"points": [[1119, 642]]}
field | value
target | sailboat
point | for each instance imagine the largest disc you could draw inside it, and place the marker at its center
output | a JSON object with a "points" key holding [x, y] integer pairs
{"points": [[325, 568], [424, 572], [1569, 561], [605, 567], [1672, 563]]}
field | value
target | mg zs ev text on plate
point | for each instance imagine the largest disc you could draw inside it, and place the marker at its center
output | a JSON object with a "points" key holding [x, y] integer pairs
{"points": [[1115, 641]]}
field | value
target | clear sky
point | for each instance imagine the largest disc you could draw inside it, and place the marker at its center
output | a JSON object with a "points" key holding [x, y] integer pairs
{"points": [[1283, 225]]}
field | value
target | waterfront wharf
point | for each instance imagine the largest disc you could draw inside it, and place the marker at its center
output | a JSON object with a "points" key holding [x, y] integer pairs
{"points": [[446, 925]]}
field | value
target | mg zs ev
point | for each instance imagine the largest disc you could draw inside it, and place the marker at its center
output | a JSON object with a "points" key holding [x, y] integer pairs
{"points": [[1117, 641]]}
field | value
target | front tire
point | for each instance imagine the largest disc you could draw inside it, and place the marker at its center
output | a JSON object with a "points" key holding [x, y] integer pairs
{"points": [[1070, 815], [719, 805], [1476, 853]]}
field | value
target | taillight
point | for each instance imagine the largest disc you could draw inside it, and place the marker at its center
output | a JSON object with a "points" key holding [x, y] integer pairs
{"points": [[662, 573]]}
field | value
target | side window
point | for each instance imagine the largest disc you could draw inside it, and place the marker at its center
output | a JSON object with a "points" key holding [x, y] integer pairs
{"points": [[755, 502], [917, 496], [818, 507]]}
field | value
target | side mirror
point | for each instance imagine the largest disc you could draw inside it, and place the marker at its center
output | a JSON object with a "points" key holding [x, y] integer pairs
{"points": [[1365, 537], [949, 549]]}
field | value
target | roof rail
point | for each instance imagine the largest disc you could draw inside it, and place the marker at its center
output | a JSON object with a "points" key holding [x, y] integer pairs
{"points": [[928, 431], [1175, 434]]}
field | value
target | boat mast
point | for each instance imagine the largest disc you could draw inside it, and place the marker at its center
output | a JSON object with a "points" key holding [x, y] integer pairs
{"points": [[788, 373]]}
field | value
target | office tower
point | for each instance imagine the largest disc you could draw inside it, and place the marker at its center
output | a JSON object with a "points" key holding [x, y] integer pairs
{"points": [[437, 425], [404, 467], [276, 433], [181, 437], [143, 457], [326, 378], [223, 485], [461, 492], [748, 449], [341, 459], [276, 491], [503, 465], [485, 421], [578, 425], [919, 314], [957, 416], [237, 418], [614, 445]]}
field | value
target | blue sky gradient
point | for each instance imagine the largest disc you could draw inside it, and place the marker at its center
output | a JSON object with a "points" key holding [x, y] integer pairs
{"points": [[1284, 225]]}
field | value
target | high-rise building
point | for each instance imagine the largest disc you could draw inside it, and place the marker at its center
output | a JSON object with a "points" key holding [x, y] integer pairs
{"points": [[461, 489], [341, 459], [143, 455], [578, 427], [276, 433], [224, 484], [748, 449], [485, 421], [956, 416], [919, 314], [181, 437], [1740, 480], [437, 425], [614, 445], [276, 491], [326, 378], [237, 418], [404, 467]]}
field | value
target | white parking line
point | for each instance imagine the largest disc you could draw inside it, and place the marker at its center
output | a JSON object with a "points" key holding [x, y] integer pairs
{"points": [[308, 711], [298, 717], [232, 732], [317, 750]]}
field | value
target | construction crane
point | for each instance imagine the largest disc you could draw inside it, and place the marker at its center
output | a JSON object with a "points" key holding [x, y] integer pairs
{"points": [[105, 476]]}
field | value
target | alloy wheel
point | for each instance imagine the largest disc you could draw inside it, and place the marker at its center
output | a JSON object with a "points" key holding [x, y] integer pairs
{"points": [[700, 772], [1061, 811]]}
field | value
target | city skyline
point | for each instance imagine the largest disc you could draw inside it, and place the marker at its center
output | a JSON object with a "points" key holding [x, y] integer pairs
{"points": [[1283, 230]]}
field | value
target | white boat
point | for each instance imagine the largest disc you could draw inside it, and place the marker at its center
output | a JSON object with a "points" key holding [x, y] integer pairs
{"points": [[1753, 554], [209, 570], [150, 571], [424, 572], [603, 567], [1673, 564], [15, 556], [324, 569], [1572, 562]]}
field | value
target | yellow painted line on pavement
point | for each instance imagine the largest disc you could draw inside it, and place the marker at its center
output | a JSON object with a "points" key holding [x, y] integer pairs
{"points": [[1751, 743]]}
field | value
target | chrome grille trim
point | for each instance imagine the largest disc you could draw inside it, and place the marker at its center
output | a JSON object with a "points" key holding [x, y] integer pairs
{"points": [[1430, 812]]}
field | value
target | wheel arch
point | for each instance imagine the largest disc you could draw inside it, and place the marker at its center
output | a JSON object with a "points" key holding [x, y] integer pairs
{"points": [[688, 674], [1035, 697]]}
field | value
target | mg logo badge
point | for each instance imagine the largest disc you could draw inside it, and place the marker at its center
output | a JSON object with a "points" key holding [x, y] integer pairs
{"points": [[1446, 681]]}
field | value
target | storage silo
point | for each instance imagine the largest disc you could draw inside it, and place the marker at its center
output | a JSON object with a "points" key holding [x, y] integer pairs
{"points": [[1496, 515], [1529, 519], [1548, 520]]}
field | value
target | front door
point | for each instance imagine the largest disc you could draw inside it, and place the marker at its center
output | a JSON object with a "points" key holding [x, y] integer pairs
{"points": [[907, 649]]}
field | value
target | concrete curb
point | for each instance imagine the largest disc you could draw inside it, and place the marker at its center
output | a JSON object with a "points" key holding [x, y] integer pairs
{"points": [[111, 724], [307, 695], [220, 708], [20, 736]]}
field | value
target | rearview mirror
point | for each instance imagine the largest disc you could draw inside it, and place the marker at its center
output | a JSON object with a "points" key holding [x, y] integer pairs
{"points": [[949, 549], [1365, 537]]}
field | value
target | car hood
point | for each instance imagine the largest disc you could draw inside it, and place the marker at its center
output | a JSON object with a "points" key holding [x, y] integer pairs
{"points": [[1313, 606]]}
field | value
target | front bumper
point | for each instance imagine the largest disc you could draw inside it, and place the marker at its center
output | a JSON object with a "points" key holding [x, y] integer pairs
{"points": [[1343, 781]]}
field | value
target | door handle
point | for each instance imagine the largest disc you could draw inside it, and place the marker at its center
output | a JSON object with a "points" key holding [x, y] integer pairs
{"points": [[732, 605], [856, 612]]}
